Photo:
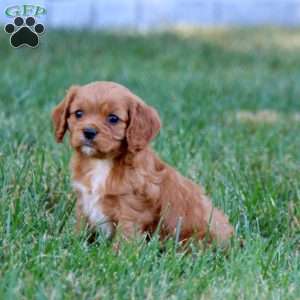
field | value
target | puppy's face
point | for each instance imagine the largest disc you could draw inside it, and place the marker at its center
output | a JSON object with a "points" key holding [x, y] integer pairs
{"points": [[104, 120], [97, 122]]}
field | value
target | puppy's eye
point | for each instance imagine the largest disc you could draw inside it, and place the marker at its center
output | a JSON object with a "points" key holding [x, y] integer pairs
{"points": [[78, 114], [113, 119]]}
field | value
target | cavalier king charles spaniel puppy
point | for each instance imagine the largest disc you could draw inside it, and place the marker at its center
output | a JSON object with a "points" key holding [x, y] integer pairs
{"points": [[119, 180]]}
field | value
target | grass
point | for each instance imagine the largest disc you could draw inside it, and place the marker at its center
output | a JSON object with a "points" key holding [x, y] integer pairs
{"points": [[215, 91]]}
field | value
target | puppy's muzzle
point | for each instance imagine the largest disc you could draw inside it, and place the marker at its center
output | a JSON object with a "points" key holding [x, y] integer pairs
{"points": [[89, 133]]}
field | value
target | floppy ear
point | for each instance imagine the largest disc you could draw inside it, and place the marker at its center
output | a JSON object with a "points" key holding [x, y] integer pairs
{"points": [[143, 127], [61, 113]]}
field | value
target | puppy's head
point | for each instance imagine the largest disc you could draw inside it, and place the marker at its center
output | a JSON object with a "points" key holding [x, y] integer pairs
{"points": [[104, 120]]}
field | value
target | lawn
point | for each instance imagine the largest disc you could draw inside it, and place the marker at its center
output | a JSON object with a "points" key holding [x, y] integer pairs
{"points": [[229, 102]]}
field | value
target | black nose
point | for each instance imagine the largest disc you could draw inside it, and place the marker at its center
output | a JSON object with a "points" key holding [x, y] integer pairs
{"points": [[89, 133]]}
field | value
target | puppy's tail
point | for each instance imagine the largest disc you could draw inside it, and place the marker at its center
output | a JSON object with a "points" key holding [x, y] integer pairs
{"points": [[218, 225]]}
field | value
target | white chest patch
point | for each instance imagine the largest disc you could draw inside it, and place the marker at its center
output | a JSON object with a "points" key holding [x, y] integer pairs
{"points": [[90, 197]]}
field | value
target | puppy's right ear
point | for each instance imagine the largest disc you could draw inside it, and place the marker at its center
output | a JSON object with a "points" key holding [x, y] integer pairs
{"points": [[61, 113]]}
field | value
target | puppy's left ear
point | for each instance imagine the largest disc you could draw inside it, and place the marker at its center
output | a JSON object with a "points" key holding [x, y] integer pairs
{"points": [[143, 127], [61, 113]]}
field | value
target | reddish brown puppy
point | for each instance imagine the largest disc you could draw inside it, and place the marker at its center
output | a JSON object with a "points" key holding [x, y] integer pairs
{"points": [[120, 181]]}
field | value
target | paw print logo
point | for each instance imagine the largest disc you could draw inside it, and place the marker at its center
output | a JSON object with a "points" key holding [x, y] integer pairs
{"points": [[24, 34]]}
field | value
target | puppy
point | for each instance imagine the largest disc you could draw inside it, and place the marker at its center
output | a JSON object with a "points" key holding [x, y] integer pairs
{"points": [[120, 182]]}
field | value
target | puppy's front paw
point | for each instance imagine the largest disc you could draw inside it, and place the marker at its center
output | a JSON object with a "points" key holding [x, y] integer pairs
{"points": [[116, 247]]}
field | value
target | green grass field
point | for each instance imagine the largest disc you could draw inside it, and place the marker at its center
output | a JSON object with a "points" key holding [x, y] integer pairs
{"points": [[229, 102]]}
